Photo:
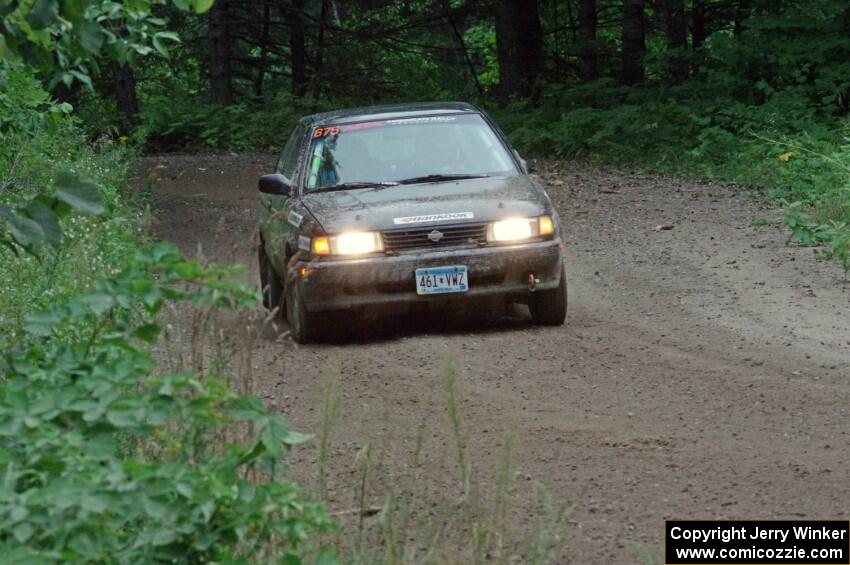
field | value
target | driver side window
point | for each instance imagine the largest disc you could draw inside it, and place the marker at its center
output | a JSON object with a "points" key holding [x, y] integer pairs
{"points": [[288, 163]]}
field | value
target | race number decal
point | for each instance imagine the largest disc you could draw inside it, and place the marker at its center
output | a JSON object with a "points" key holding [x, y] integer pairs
{"points": [[325, 132]]}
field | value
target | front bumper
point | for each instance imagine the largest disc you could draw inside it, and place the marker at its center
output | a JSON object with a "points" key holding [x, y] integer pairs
{"points": [[389, 281]]}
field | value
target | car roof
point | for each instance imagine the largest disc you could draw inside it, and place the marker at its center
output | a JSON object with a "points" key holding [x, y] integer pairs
{"points": [[387, 112]]}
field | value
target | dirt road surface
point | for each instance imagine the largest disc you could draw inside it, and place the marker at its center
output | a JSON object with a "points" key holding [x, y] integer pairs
{"points": [[704, 371]]}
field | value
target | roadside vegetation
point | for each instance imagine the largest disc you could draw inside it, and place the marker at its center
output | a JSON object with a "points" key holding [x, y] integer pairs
{"points": [[110, 455], [44, 150]]}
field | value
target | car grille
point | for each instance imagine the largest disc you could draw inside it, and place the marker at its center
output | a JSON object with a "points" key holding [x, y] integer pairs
{"points": [[434, 236]]}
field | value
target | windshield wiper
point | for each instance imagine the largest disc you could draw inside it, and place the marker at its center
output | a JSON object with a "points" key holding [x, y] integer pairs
{"points": [[358, 184], [438, 178]]}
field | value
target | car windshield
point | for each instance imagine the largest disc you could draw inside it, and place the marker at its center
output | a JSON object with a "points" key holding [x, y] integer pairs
{"points": [[419, 149]]}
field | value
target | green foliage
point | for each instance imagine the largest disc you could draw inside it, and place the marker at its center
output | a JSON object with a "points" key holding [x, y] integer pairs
{"points": [[190, 122], [24, 104], [64, 39], [833, 234], [106, 460], [43, 159], [36, 223], [767, 109], [104, 457]]}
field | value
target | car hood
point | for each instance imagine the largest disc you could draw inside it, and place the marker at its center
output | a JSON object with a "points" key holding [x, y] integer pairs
{"points": [[470, 200]]}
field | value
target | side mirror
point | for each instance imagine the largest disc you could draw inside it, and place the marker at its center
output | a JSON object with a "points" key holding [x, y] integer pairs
{"points": [[275, 183], [528, 165]]}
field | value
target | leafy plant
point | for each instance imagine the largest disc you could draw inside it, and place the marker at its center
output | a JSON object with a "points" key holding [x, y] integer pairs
{"points": [[64, 39], [105, 460], [47, 168], [802, 226], [834, 234], [839, 244], [36, 223]]}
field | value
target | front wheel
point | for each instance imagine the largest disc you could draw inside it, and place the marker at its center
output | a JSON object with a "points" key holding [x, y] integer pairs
{"points": [[270, 284], [302, 324], [549, 307]]}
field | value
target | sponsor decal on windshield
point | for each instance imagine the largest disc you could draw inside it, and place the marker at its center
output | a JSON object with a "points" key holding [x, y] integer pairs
{"points": [[328, 131], [433, 218], [363, 125], [421, 120]]}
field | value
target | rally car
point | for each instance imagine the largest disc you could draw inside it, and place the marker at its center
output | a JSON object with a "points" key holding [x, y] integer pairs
{"points": [[392, 208]]}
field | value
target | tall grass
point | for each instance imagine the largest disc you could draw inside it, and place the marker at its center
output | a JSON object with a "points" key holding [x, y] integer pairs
{"points": [[331, 402], [415, 525]]}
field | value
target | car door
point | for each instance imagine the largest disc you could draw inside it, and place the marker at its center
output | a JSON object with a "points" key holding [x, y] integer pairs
{"points": [[278, 223]]}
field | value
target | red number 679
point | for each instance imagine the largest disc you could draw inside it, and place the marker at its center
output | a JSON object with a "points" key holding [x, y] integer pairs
{"points": [[324, 132]]}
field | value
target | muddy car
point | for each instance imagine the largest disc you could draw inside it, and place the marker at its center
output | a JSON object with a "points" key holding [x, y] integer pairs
{"points": [[392, 208]]}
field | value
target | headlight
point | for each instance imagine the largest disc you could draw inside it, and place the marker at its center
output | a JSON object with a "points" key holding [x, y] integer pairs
{"points": [[349, 243], [517, 229], [356, 243]]}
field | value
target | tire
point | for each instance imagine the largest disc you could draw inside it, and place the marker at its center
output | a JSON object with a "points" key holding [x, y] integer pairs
{"points": [[549, 307], [303, 325], [270, 284]]}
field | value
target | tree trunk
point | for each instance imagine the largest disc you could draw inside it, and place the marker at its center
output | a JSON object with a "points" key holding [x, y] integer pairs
{"points": [[633, 42], [221, 75], [297, 47], [675, 24], [676, 28], [587, 19], [519, 46], [264, 52], [845, 18], [742, 12], [698, 33], [125, 95], [320, 48], [461, 44]]}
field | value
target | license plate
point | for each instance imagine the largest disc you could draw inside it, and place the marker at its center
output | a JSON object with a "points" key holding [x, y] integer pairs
{"points": [[441, 280]]}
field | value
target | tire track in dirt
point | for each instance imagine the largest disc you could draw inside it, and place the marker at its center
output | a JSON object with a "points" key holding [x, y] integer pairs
{"points": [[703, 371]]}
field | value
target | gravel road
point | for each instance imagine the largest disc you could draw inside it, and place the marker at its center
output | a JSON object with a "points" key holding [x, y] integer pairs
{"points": [[704, 370]]}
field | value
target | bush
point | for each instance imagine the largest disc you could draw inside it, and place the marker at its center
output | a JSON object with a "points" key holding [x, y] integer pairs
{"points": [[105, 460], [191, 122], [37, 141]]}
